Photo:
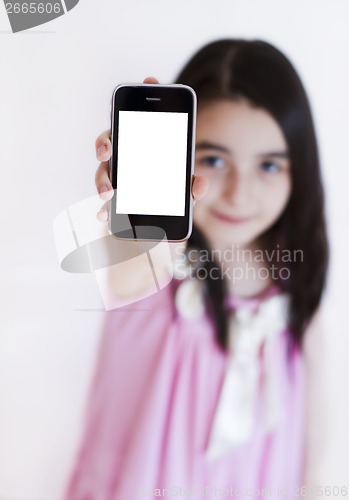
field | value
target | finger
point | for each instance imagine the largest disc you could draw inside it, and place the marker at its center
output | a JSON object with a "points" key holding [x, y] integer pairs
{"points": [[150, 79], [200, 186], [103, 146], [102, 180], [103, 213]]}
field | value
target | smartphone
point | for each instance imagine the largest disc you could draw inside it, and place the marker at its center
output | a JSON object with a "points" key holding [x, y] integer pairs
{"points": [[152, 162]]}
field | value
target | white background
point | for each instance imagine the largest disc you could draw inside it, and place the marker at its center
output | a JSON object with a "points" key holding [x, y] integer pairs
{"points": [[56, 84]]}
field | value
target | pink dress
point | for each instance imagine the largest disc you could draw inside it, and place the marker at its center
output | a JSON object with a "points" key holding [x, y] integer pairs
{"points": [[152, 404]]}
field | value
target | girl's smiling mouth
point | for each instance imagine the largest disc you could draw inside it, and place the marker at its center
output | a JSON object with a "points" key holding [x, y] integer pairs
{"points": [[231, 220]]}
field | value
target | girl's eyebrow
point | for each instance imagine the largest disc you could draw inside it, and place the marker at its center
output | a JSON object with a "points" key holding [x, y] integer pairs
{"points": [[210, 145], [275, 154]]}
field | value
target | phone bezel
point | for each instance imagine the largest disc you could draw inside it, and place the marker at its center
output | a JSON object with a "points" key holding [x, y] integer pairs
{"points": [[175, 98]]}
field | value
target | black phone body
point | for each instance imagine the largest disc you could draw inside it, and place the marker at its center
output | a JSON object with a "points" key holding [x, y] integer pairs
{"points": [[152, 162]]}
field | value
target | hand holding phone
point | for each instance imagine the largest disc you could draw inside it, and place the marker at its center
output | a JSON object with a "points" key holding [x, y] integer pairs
{"points": [[152, 161], [103, 145]]}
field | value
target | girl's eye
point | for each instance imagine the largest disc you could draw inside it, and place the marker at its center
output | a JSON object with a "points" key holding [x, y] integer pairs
{"points": [[270, 167], [212, 161]]}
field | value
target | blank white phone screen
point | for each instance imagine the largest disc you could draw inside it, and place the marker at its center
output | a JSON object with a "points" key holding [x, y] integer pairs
{"points": [[152, 154]]}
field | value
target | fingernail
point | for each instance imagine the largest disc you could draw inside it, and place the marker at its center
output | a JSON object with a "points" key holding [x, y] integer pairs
{"points": [[104, 188], [102, 149]]}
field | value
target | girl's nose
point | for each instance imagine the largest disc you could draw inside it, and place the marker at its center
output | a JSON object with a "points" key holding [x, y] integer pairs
{"points": [[237, 188]]}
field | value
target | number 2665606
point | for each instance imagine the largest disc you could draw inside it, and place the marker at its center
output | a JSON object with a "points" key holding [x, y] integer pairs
{"points": [[33, 8]]}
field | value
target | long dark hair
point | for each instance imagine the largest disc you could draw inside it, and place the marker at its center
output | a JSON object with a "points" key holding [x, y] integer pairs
{"points": [[259, 72]]}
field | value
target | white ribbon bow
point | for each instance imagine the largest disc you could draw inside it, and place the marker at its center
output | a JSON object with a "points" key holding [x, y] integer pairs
{"points": [[235, 414]]}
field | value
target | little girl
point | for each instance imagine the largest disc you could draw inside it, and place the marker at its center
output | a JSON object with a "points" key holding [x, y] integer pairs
{"points": [[199, 389]]}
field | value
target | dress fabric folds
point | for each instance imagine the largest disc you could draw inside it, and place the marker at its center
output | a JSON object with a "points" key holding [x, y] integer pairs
{"points": [[169, 411]]}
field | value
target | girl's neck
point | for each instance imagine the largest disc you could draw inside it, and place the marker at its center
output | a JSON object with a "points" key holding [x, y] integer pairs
{"points": [[246, 269]]}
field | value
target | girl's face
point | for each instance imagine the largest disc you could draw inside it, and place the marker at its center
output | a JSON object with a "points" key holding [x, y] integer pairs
{"points": [[242, 151]]}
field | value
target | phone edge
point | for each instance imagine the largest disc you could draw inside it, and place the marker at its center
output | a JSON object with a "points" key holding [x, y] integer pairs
{"points": [[192, 91]]}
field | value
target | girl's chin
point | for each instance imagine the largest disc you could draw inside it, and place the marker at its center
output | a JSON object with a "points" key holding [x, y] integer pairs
{"points": [[218, 237], [232, 239]]}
